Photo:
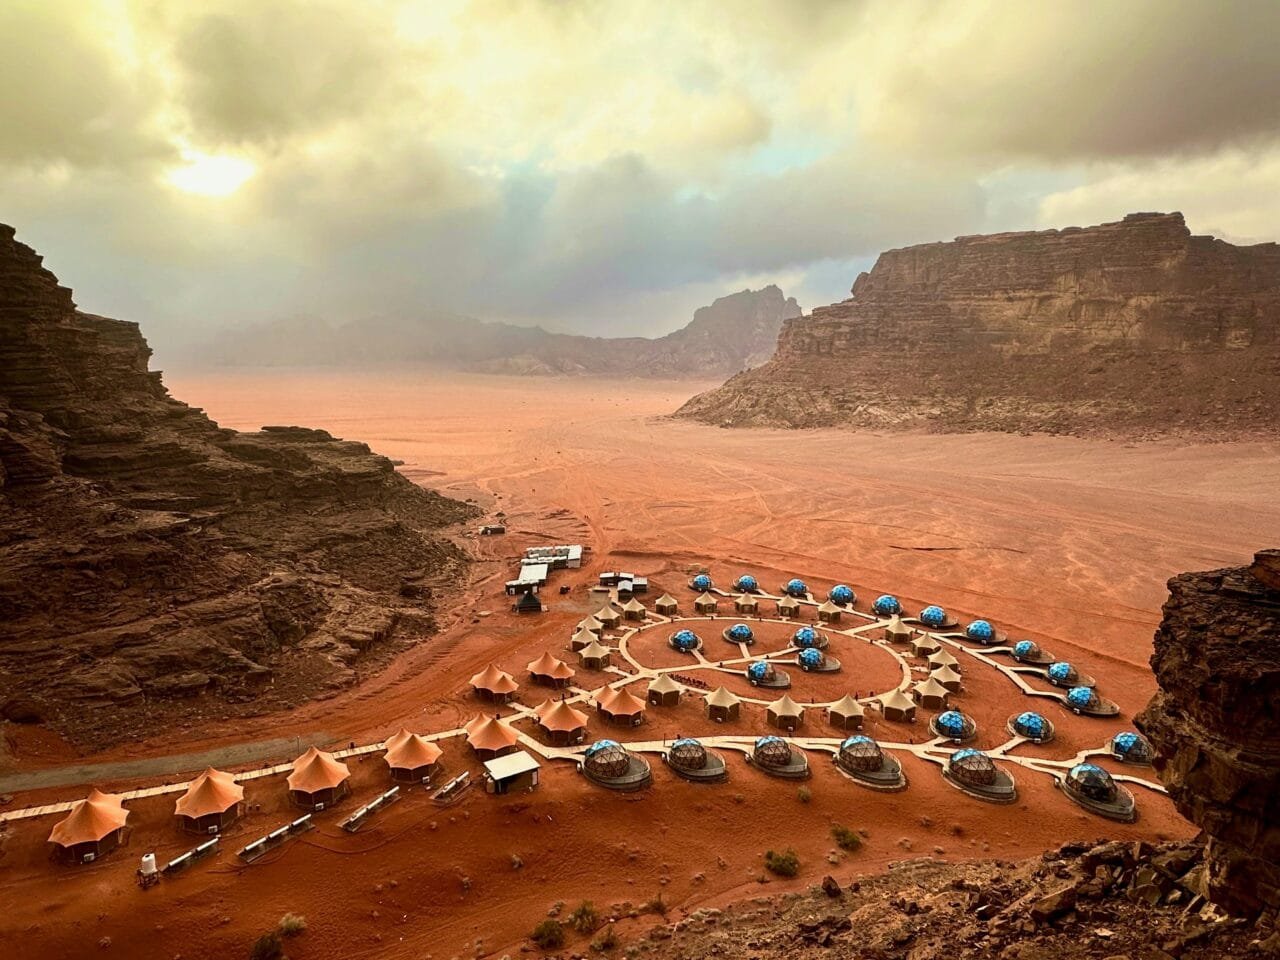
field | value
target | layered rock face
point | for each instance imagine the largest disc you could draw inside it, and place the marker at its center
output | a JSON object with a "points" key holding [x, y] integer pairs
{"points": [[1215, 724], [732, 334], [148, 556], [1132, 327]]}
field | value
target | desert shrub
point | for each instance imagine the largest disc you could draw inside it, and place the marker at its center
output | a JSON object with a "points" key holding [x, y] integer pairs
{"points": [[784, 864], [804, 794], [268, 947], [584, 918], [607, 940], [549, 934], [845, 838], [291, 925], [656, 905]]}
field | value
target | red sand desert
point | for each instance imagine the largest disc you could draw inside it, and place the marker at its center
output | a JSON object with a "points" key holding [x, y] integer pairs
{"points": [[1064, 541]]}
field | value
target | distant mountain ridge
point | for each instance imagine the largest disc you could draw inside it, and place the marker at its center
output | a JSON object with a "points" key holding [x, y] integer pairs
{"points": [[732, 334]]}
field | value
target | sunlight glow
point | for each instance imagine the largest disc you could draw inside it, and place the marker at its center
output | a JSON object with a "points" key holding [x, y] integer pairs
{"points": [[211, 175]]}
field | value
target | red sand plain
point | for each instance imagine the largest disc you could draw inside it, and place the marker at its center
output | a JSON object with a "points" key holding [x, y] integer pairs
{"points": [[1062, 540]]}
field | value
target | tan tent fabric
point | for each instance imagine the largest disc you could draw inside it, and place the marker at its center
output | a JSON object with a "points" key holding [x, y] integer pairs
{"points": [[633, 606], [746, 602], [666, 602], [490, 733], [846, 706], [706, 598], [581, 638], [931, 688], [895, 628], [663, 684], [897, 700], [401, 734], [784, 706], [607, 616], [493, 680], [948, 677], [788, 605], [620, 703], [412, 752], [550, 666], [559, 716], [943, 658], [211, 792], [316, 770], [828, 607], [594, 650], [720, 697], [590, 623], [90, 820]]}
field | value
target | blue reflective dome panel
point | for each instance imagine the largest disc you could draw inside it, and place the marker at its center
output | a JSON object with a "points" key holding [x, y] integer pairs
{"points": [[796, 588], [887, 605], [1080, 696], [805, 637], [758, 670], [741, 632], [746, 583], [841, 594], [980, 630], [952, 723], [684, 640], [600, 745], [1061, 671], [855, 741], [933, 616], [1030, 724], [687, 742], [702, 582], [1025, 648], [964, 754], [810, 658], [765, 741]]}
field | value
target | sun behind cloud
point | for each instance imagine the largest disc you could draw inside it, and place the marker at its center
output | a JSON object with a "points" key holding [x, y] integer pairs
{"points": [[210, 175]]}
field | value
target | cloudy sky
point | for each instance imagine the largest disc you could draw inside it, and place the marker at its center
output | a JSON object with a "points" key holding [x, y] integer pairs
{"points": [[599, 166]]}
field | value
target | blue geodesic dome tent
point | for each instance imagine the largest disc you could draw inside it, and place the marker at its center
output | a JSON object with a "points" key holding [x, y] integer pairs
{"points": [[759, 670], [810, 658], [1030, 724], [1061, 671], [953, 724], [980, 630], [933, 616], [688, 754], [805, 637], [1080, 697], [746, 584], [685, 640], [741, 633], [702, 582], [972, 766], [796, 588], [1092, 781], [600, 745], [1131, 746], [861, 753], [772, 751], [841, 594], [1024, 649], [887, 605]]}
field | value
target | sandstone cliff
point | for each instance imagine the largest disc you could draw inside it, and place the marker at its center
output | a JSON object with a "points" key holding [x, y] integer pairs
{"points": [[148, 556], [1134, 327], [733, 333], [1215, 723]]}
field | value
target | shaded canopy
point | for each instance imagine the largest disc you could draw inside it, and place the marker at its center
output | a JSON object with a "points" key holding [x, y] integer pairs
{"points": [[411, 751], [721, 697], [633, 606], [828, 607], [897, 700], [666, 600], [931, 687], [211, 792], [945, 675], [784, 706], [590, 623], [663, 684], [607, 614], [943, 658], [316, 770], [595, 650], [493, 680], [846, 706], [620, 703], [558, 716], [706, 599], [550, 666], [490, 733], [90, 820]]}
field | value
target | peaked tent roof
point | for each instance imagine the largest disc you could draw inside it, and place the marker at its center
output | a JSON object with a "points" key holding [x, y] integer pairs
{"points": [[211, 792], [896, 625], [663, 684], [606, 613], [784, 706], [411, 752], [490, 733], [548, 665], [667, 598], [529, 601], [316, 770], [946, 674], [401, 734], [828, 607], [633, 606], [943, 657], [705, 597], [721, 697], [621, 702], [747, 599], [897, 700], [931, 687], [788, 601], [589, 623], [494, 680], [90, 820], [594, 649], [846, 706], [559, 716]]}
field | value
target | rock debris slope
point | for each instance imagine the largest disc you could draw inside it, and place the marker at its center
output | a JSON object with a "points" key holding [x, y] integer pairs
{"points": [[148, 556], [1134, 328]]}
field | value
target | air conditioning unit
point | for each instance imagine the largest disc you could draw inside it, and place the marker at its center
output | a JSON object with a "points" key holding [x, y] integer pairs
{"points": [[318, 807], [213, 829], [89, 858]]}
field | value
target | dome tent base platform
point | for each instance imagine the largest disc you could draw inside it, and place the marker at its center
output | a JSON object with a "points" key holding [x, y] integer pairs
{"points": [[888, 779], [797, 769], [779, 681], [715, 771], [637, 777], [1122, 809], [1047, 738], [1003, 791]]}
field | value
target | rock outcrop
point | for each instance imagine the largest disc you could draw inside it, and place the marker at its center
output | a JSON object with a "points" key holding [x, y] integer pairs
{"points": [[733, 333], [1135, 328], [148, 556], [1215, 723]]}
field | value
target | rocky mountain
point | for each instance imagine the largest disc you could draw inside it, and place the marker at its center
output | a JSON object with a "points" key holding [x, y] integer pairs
{"points": [[151, 560], [1134, 328], [732, 334], [1215, 723]]}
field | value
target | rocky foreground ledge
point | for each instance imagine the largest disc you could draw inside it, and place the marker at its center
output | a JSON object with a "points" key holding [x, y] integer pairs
{"points": [[155, 566], [1135, 329]]}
